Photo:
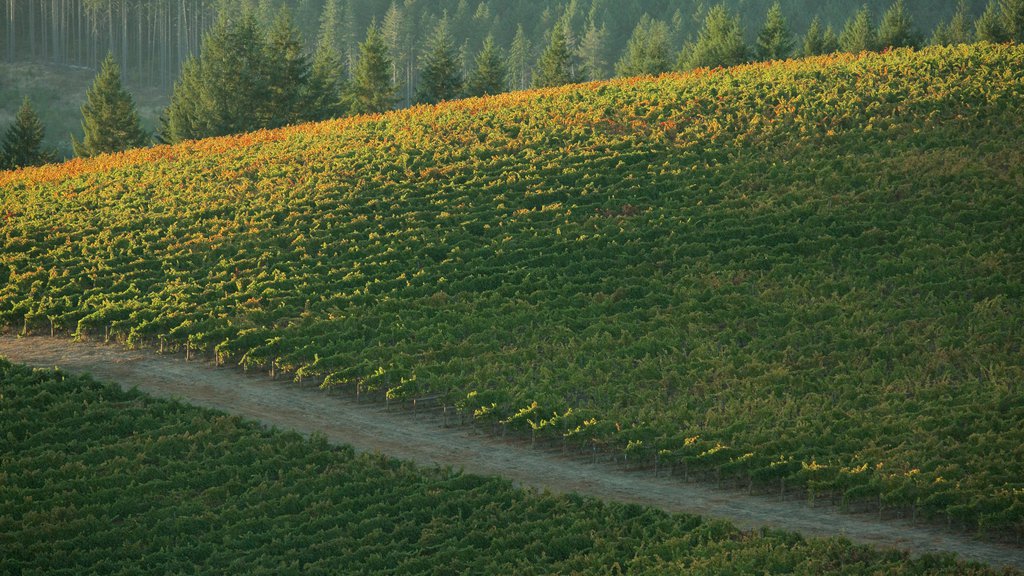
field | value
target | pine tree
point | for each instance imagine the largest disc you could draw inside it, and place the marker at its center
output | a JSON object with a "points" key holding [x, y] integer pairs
{"points": [[720, 42], [775, 41], [859, 33], [109, 119], [593, 47], [1013, 19], [519, 57], [23, 141], [990, 26], [371, 89], [490, 74], [442, 67], [287, 70], [814, 40], [180, 120], [897, 28], [326, 76], [555, 66], [956, 31], [831, 41], [647, 51]]}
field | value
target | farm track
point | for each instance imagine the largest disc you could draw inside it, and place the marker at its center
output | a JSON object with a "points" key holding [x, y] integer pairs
{"points": [[371, 428]]}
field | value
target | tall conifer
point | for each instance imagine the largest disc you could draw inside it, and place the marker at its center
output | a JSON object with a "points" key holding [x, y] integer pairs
{"points": [[22, 143], [490, 75], [371, 88], [720, 42], [109, 120], [441, 78], [859, 33], [774, 41], [555, 66]]}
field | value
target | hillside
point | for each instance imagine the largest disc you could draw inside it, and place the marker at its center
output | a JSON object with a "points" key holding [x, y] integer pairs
{"points": [[800, 274], [101, 481]]}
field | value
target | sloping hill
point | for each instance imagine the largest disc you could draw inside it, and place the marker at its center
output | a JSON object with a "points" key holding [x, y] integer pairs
{"points": [[806, 273]]}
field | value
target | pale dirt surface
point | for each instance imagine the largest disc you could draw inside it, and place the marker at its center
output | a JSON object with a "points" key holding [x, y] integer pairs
{"points": [[424, 440]]}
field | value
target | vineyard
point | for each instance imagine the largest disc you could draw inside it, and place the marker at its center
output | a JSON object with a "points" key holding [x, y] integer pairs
{"points": [[804, 274], [97, 480]]}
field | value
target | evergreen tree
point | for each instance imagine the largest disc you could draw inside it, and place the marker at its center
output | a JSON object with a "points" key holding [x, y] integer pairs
{"points": [[555, 66], [490, 74], [774, 41], [647, 51], [990, 27], [720, 42], [23, 142], [326, 76], [287, 70], [109, 119], [180, 120], [371, 88], [859, 33], [831, 41], [1013, 19], [592, 52], [956, 31], [519, 57], [814, 40], [897, 29], [442, 68], [224, 91]]}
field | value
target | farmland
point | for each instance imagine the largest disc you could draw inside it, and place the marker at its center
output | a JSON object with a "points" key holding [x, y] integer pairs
{"points": [[805, 273], [100, 480]]}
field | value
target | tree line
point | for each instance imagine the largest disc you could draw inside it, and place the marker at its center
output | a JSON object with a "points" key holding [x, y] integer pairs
{"points": [[256, 70]]}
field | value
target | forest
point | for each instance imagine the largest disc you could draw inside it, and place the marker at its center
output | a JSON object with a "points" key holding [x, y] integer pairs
{"points": [[153, 40]]}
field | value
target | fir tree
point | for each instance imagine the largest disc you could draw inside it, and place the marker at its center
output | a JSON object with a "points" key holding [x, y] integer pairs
{"points": [[720, 42], [774, 41], [990, 26], [287, 70], [109, 120], [647, 51], [956, 31], [371, 89], [555, 66], [180, 120], [23, 142], [897, 29], [859, 33], [442, 67], [592, 52], [490, 74], [814, 40], [1013, 19], [831, 41], [326, 76], [519, 57]]}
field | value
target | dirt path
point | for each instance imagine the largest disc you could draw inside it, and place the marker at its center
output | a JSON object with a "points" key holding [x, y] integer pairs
{"points": [[370, 428]]}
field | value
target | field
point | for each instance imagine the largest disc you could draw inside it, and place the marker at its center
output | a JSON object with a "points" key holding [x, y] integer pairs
{"points": [[804, 274], [96, 480]]}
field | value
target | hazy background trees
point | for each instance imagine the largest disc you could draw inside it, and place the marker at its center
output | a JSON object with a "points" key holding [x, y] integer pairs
{"points": [[274, 62]]}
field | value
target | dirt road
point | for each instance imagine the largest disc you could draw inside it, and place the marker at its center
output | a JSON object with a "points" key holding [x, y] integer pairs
{"points": [[371, 428]]}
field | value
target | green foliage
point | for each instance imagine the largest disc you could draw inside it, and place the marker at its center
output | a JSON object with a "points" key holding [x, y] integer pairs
{"points": [[490, 74], [594, 51], [326, 77], [720, 42], [97, 480], [805, 272], [1013, 19], [648, 50], [22, 144], [814, 39], [897, 29], [775, 41], [109, 119], [859, 33], [442, 67], [556, 64], [990, 26], [957, 31], [519, 59], [371, 88], [287, 70]]}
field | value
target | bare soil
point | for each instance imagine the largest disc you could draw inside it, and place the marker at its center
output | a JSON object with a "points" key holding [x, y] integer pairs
{"points": [[370, 427]]}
